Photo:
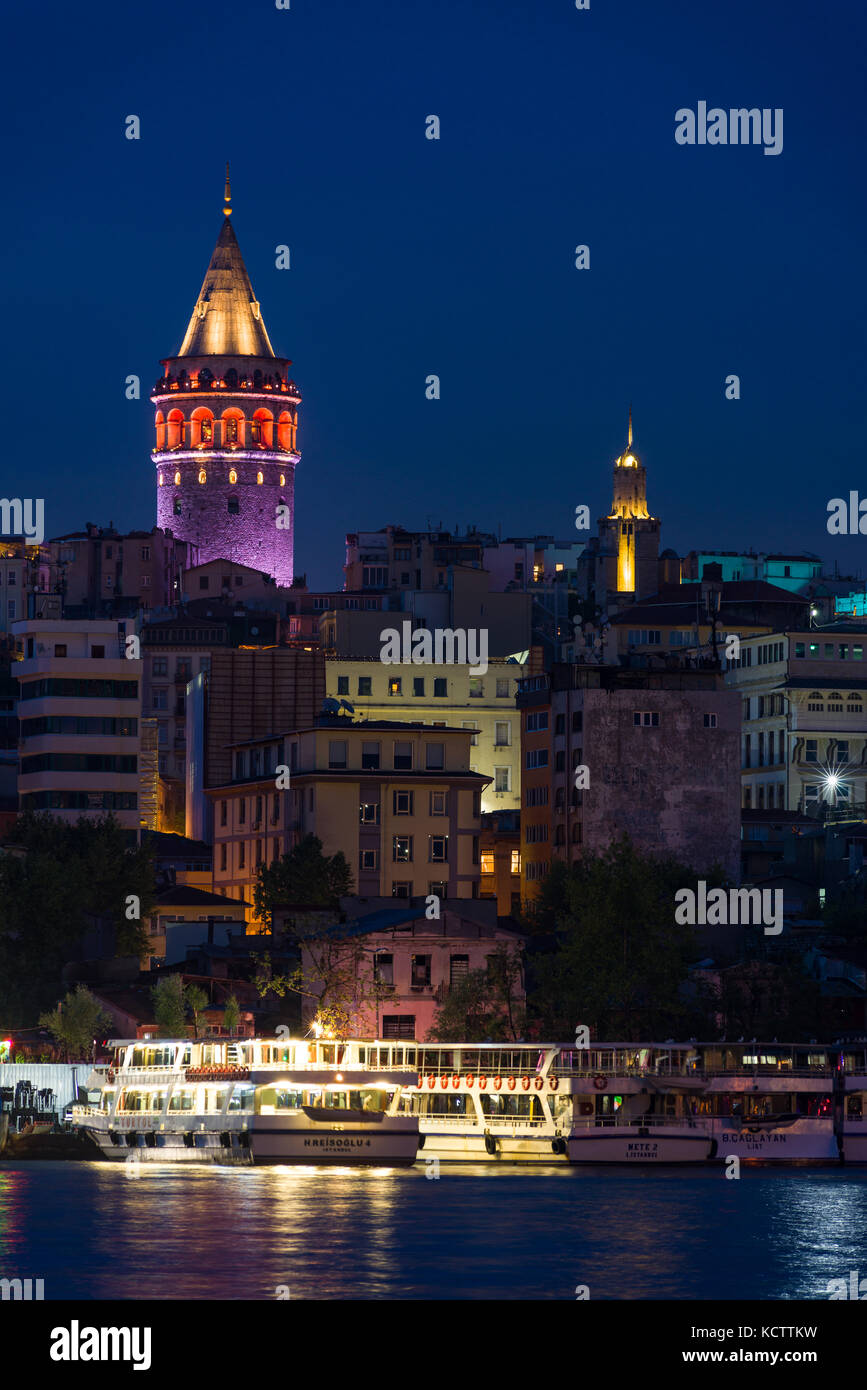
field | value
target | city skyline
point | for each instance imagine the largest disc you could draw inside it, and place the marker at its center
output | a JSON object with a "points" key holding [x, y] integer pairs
{"points": [[456, 257]]}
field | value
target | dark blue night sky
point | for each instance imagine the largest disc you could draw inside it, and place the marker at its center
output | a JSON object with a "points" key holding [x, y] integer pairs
{"points": [[455, 257]]}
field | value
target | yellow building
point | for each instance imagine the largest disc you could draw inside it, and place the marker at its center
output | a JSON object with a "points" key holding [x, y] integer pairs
{"points": [[445, 696], [399, 800]]}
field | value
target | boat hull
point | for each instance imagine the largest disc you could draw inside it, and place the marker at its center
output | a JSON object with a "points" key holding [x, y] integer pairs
{"points": [[808, 1140], [636, 1144], [507, 1148], [392, 1143]]}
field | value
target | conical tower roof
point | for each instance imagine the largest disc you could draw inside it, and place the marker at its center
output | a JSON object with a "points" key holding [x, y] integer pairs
{"points": [[226, 321]]}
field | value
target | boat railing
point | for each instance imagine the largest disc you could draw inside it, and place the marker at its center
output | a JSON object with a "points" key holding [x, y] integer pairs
{"points": [[642, 1122]]}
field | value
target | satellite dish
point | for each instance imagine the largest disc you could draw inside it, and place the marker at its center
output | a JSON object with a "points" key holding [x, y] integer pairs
{"points": [[330, 706], [344, 704]]}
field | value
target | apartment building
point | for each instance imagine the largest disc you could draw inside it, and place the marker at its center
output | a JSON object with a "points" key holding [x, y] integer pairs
{"points": [[446, 696], [80, 712], [399, 800], [107, 572], [804, 737], [659, 753]]}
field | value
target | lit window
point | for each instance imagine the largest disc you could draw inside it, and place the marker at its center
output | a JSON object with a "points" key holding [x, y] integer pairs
{"points": [[160, 479], [178, 478], [487, 862], [233, 475], [282, 479], [260, 478], [203, 477], [516, 861], [558, 567]]}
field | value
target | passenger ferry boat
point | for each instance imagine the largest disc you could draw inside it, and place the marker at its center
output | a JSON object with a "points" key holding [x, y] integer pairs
{"points": [[852, 1113], [270, 1100], [772, 1102]]}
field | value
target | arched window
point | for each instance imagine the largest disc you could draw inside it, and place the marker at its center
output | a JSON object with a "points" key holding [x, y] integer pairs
{"points": [[233, 475], [203, 477], [178, 478], [835, 702], [260, 477], [161, 430], [284, 430], [232, 506], [233, 426], [263, 428], [282, 481], [231, 378], [201, 427], [160, 479], [174, 429], [177, 506]]}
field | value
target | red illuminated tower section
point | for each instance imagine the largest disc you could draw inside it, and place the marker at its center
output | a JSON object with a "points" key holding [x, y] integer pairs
{"points": [[226, 426]]}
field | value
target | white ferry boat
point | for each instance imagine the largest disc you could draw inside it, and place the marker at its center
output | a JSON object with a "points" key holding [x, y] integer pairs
{"points": [[270, 1100], [771, 1102], [851, 1075]]}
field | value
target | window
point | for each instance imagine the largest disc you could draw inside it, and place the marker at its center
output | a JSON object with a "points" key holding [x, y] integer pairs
{"points": [[502, 688], [816, 701], [710, 721], [401, 888], [233, 506], [438, 849], [474, 730], [160, 699], [435, 756], [401, 849], [419, 974], [459, 969], [560, 762], [477, 688], [370, 756], [842, 750], [383, 968], [402, 803], [577, 721], [364, 685], [515, 865], [223, 852], [502, 734], [60, 649], [811, 751], [374, 576], [242, 854], [537, 721], [829, 651], [560, 724], [441, 688], [242, 811], [343, 685], [835, 702], [368, 860], [439, 803], [646, 719], [439, 889], [399, 1025], [537, 757], [394, 685], [368, 813], [224, 812], [402, 757], [502, 779], [337, 753], [418, 686]]}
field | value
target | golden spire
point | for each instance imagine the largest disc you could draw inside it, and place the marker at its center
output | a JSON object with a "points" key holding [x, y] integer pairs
{"points": [[227, 197], [629, 441]]}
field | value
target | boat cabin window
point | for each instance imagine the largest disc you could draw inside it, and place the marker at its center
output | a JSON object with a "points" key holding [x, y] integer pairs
{"points": [[153, 1056], [142, 1101], [521, 1107], [241, 1099], [182, 1101]]}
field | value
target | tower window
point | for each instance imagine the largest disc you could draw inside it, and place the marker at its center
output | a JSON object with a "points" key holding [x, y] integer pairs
{"points": [[282, 479], [207, 431], [230, 428], [233, 475], [177, 507], [233, 506], [260, 477], [178, 478], [160, 479], [203, 477]]}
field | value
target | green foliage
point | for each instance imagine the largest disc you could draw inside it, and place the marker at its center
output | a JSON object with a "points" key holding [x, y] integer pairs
{"points": [[57, 881], [231, 1012], [75, 1022], [484, 1006], [170, 1007], [618, 960], [197, 1001], [305, 877]]}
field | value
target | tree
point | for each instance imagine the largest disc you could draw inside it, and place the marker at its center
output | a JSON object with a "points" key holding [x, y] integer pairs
{"points": [[197, 1000], [615, 957], [75, 1022], [231, 1013], [169, 1007], [304, 877], [338, 975], [483, 1007]]}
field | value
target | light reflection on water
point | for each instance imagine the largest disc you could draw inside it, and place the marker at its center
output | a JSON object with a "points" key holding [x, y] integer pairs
{"points": [[196, 1231]]}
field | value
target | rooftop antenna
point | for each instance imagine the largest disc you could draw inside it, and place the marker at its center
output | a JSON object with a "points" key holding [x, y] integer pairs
{"points": [[227, 196], [629, 440]]}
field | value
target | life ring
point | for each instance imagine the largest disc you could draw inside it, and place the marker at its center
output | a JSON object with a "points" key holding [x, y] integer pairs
{"points": [[420, 1081], [469, 1079], [483, 1083], [511, 1083], [600, 1082], [525, 1083], [553, 1082], [586, 1107], [431, 1082], [444, 1082], [538, 1083], [498, 1082], [456, 1081]]}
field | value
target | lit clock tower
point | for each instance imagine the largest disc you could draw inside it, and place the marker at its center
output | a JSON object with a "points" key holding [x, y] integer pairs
{"points": [[629, 535], [226, 426]]}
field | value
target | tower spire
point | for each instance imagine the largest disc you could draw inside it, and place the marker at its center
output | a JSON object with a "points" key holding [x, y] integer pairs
{"points": [[227, 196], [629, 441]]}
